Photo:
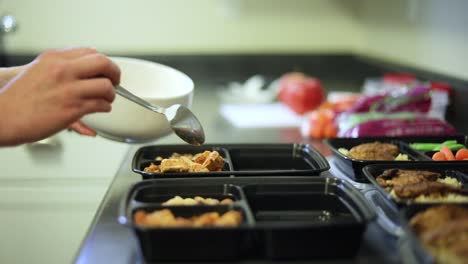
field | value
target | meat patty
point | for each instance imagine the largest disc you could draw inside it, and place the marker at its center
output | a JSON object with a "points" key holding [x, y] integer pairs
{"points": [[374, 151]]}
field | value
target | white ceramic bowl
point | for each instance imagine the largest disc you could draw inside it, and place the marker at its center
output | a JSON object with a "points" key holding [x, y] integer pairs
{"points": [[154, 82]]}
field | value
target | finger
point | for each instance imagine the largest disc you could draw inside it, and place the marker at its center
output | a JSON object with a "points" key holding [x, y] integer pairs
{"points": [[76, 52], [96, 88], [93, 65], [82, 129], [95, 106]]}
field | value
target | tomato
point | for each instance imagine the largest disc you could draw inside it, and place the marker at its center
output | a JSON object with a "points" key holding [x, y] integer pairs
{"points": [[301, 93]]}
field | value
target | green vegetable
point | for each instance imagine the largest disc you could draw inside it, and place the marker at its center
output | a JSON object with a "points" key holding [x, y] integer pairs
{"points": [[451, 144]]}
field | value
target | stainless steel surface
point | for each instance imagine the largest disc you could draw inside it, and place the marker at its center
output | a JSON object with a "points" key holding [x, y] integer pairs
{"points": [[182, 121]]}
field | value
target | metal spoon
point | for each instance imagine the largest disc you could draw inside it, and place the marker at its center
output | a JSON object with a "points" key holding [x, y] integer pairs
{"points": [[182, 121]]}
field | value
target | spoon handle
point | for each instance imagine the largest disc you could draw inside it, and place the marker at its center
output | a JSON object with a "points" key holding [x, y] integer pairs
{"points": [[130, 96]]}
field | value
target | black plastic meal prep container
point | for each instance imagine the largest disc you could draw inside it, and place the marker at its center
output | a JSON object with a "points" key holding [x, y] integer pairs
{"points": [[353, 167], [323, 217], [457, 171], [415, 251], [187, 243], [240, 160]]}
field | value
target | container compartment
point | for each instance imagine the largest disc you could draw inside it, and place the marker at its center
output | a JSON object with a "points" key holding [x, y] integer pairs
{"points": [[276, 159], [463, 140], [240, 160], [193, 243], [147, 155], [444, 168], [160, 193], [353, 167], [325, 218]]}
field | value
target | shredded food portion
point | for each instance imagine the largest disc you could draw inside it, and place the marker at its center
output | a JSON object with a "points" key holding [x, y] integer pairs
{"points": [[201, 162], [165, 218], [443, 230], [422, 186], [197, 200]]}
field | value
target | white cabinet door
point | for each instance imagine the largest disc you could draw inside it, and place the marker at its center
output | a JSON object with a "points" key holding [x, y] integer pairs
{"points": [[49, 194], [65, 155]]}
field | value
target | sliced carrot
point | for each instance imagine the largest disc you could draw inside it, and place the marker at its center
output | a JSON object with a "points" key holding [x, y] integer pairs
{"points": [[462, 154], [439, 156], [447, 152]]}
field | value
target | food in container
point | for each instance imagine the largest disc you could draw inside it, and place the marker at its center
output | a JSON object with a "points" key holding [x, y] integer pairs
{"points": [[165, 218], [422, 186], [297, 218], [404, 184], [239, 160], [368, 148], [197, 200], [201, 162], [443, 231], [375, 151]]}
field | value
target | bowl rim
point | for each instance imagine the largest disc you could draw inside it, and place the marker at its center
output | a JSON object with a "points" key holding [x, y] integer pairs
{"points": [[191, 85]]}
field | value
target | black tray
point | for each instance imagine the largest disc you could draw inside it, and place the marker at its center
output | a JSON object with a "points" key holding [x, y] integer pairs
{"points": [[415, 252], [353, 167], [445, 168], [240, 160], [322, 217]]}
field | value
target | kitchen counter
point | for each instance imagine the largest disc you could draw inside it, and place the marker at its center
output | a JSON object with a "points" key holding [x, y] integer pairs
{"points": [[109, 242]]}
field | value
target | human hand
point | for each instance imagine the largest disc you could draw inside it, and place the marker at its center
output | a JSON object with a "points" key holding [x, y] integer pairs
{"points": [[54, 92], [82, 129]]}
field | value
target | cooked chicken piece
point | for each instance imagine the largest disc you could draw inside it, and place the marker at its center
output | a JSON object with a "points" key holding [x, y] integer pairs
{"points": [[201, 162], [395, 177], [176, 155], [197, 200], [434, 188], [174, 165], [374, 151], [230, 219], [165, 218], [214, 162], [201, 157], [227, 201], [196, 167], [152, 168]]}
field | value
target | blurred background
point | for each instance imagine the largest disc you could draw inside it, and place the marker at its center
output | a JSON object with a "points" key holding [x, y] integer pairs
{"points": [[428, 34]]}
